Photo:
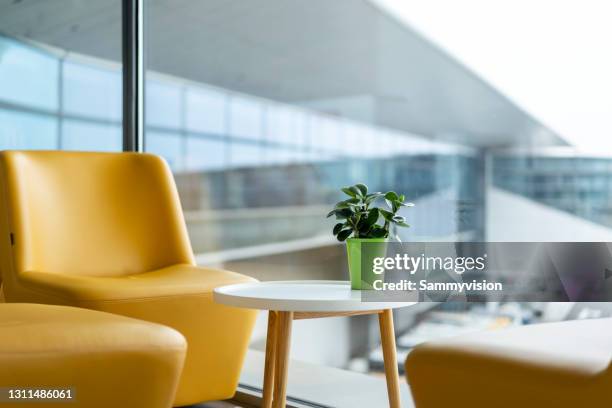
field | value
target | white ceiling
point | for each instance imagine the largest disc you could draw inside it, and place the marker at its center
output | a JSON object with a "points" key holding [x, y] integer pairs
{"points": [[330, 55], [553, 58]]}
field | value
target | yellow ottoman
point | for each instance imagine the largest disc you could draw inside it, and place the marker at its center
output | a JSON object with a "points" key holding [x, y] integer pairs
{"points": [[561, 365], [106, 360]]}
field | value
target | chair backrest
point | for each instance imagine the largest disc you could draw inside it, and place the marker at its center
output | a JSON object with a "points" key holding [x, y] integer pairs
{"points": [[98, 214]]}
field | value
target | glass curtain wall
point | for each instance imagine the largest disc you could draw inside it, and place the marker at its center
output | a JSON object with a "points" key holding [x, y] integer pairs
{"points": [[580, 185], [265, 109], [60, 75], [567, 193], [254, 171], [261, 135]]}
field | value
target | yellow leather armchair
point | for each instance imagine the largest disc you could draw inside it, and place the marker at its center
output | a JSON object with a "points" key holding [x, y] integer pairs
{"points": [[103, 360], [105, 231], [561, 365]]}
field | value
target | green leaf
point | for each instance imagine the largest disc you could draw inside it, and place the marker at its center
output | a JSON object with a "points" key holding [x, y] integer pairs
{"points": [[347, 203], [359, 219], [378, 233], [388, 215], [356, 191], [393, 204], [363, 188], [343, 235], [372, 217], [392, 196], [338, 228], [348, 191], [372, 197], [363, 226], [343, 213]]}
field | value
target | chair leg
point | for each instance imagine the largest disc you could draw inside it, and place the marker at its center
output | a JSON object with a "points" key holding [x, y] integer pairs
{"points": [[268, 385], [387, 336], [283, 342]]}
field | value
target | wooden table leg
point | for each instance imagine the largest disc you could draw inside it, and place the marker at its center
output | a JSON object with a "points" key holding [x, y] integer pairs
{"points": [[268, 385], [387, 336], [283, 342]]}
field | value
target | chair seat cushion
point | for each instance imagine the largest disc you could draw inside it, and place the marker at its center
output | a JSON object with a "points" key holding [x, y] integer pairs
{"points": [[179, 296], [562, 363], [92, 353], [176, 280]]}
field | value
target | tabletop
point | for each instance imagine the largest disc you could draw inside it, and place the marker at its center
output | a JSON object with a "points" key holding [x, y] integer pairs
{"points": [[299, 296]]}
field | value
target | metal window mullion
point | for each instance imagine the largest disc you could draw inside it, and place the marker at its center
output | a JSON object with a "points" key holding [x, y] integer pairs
{"points": [[133, 75]]}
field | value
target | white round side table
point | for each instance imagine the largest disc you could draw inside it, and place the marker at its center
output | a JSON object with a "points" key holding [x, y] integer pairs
{"points": [[292, 300]]}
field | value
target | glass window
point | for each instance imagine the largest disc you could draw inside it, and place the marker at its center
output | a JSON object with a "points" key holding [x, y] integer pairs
{"points": [[163, 105], [22, 130], [275, 119], [355, 137], [28, 75], [326, 134], [245, 155], [278, 124], [92, 89], [283, 103], [169, 145], [206, 110], [205, 154], [301, 128], [60, 76], [245, 117], [87, 136]]}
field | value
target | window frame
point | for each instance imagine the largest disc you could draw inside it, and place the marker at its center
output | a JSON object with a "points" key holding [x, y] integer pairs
{"points": [[132, 44]]}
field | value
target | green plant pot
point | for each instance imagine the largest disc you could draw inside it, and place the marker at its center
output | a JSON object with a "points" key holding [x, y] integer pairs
{"points": [[361, 258]]}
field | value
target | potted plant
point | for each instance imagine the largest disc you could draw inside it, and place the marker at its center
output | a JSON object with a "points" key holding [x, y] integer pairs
{"points": [[365, 227]]}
